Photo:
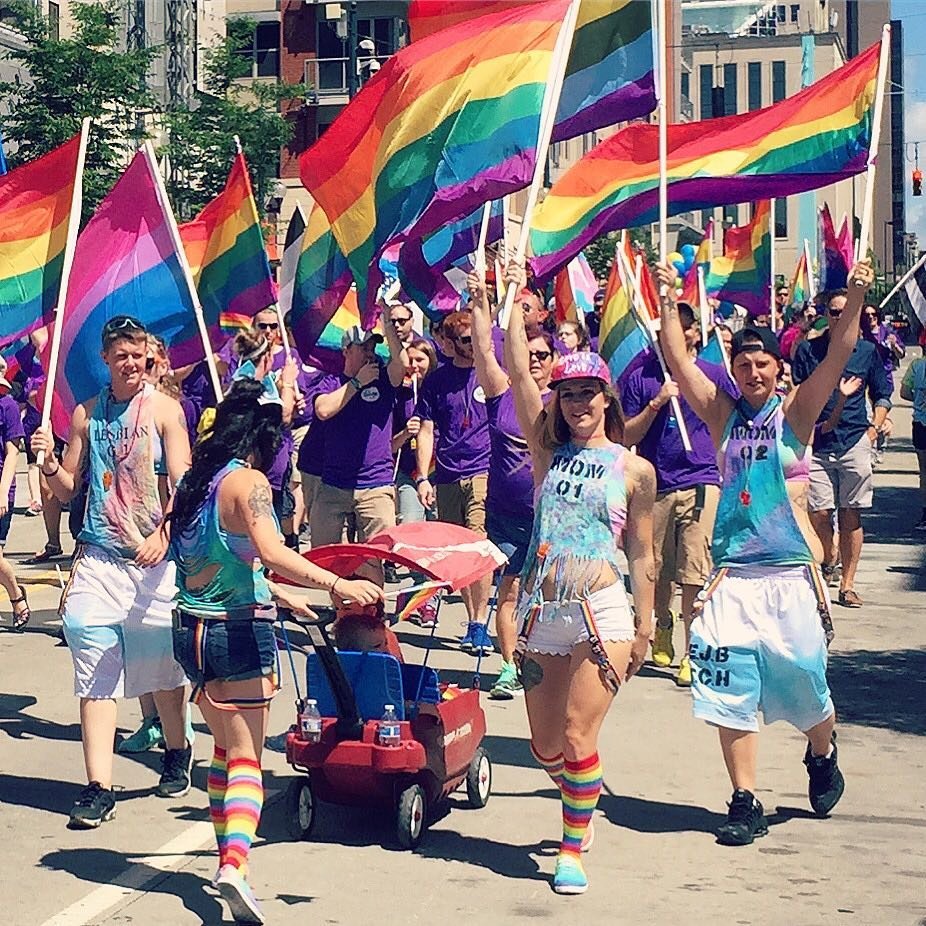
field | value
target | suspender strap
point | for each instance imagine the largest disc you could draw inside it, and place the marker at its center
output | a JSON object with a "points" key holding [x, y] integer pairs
{"points": [[823, 602], [611, 678], [526, 627], [713, 580]]}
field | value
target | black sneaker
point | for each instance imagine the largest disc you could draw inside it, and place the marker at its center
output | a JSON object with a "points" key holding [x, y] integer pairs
{"points": [[826, 782], [95, 805], [745, 820], [175, 777]]}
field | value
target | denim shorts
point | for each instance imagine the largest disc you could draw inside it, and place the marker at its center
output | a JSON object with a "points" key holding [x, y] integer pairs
{"points": [[5, 523], [231, 650], [512, 536]]}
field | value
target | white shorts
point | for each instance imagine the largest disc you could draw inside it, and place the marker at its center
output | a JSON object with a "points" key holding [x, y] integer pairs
{"points": [[759, 644], [560, 625], [117, 622]]}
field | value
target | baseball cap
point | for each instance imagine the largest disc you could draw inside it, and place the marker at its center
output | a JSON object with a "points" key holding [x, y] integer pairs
{"points": [[356, 335], [580, 365], [743, 342]]}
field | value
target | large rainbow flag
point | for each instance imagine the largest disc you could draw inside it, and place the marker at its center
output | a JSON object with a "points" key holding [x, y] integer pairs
{"points": [[125, 263], [622, 341], [609, 76], [448, 123], [224, 246], [743, 275], [819, 136], [574, 291], [35, 209]]}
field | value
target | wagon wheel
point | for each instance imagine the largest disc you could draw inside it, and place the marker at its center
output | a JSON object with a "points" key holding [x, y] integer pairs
{"points": [[479, 779], [411, 816], [300, 808]]}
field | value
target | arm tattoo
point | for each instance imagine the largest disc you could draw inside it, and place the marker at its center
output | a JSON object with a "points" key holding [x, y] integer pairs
{"points": [[260, 502], [181, 420]]}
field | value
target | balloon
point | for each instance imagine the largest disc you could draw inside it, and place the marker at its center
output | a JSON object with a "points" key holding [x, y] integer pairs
{"points": [[673, 257], [679, 266], [688, 253]]}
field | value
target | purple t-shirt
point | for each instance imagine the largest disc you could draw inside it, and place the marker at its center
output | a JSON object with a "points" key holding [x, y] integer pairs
{"points": [[404, 409], [311, 456], [662, 443], [453, 399], [358, 439], [197, 387], [11, 430], [511, 478]]}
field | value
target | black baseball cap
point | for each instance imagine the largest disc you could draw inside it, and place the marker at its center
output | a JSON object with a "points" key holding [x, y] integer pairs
{"points": [[750, 339]]}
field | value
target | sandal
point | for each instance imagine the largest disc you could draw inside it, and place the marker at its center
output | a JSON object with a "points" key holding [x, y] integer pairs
{"points": [[22, 618], [51, 551], [849, 598]]}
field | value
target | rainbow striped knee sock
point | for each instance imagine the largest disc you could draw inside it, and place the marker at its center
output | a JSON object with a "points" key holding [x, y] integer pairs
{"points": [[553, 767], [215, 785], [244, 798]]}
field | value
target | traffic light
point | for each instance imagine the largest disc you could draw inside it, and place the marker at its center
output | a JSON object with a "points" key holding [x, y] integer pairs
{"points": [[917, 182]]}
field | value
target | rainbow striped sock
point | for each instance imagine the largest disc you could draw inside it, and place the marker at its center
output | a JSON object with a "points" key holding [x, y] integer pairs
{"points": [[244, 798], [215, 785], [553, 767], [581, 786]]}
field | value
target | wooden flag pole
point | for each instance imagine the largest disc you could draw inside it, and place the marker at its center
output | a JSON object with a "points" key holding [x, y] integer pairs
{"points": [[185, 268], [864, 237], [483, 235], [67, 262], [547, 121]]}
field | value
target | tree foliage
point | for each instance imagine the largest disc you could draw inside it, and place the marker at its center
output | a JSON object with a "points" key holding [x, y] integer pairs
{"points": [[600, 252]]}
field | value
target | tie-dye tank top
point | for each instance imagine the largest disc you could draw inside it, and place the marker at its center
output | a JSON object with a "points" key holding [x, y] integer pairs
{"points": [[580, 513], [228, 580], [758, 456], [123, 505]]}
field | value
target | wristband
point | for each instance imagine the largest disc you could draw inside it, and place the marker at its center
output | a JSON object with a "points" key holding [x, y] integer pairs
{"points": [[422, 479], [655, 408], [355, 383], [334, 584], [53, 473]]}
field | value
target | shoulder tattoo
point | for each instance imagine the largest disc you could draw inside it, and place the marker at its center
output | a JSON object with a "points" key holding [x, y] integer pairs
{"points": [[260, 502]]}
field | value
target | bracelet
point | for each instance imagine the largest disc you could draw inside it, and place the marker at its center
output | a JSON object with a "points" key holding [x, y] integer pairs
{"points": [[353, 381], [287, 386], [334, 584], [49, 475], [421, 479], [655, 408]]}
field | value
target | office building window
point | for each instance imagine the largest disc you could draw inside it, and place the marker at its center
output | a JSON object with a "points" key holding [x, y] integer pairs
{"points": [[685, 85], [754, 80], [731, 216], [54, 21], [795, 13], [779, 91], [706, 216], [264, 50], [706, 89], [780, 13], [729, 89], [781, 217]]}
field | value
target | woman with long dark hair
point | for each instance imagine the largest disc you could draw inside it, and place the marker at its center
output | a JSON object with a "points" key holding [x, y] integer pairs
{"points": [[223, 534]]}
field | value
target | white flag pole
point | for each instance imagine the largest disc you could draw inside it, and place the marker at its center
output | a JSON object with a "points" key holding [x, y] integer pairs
{"points": [[868, 207], [506, 212], [773, 308], [663, 116], [483, 235], [67, 262], [902, 280], [185, 268], [547, 120], [810, 278], [704, 308]]}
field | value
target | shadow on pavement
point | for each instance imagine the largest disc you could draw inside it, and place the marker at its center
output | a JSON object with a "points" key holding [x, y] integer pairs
{"points": [[505, 859], [53, 795], [895, 512], [643, 816], [18, 725], [103, 866], [880, 688]]}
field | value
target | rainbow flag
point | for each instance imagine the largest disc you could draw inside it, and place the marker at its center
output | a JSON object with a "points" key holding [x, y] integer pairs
{"points": [[35, 211], [819, 136], [433, 270], [801, 288], [691, 292], [447, 124], [417, 596], [574, 291], [622, 342], [224, 246], [20, 357], [743, 275], [125, 263], [834, 269], [609, 76]]}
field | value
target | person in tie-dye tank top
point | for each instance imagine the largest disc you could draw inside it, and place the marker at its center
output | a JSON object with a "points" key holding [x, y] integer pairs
{"points": [[759, 640]]}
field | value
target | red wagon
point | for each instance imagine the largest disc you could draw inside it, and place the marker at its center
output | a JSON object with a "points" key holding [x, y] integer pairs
{"points": [[441, 729]]}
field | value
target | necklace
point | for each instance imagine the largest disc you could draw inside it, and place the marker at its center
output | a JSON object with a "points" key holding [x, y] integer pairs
{"points": [[749, 453], [115, 457]]}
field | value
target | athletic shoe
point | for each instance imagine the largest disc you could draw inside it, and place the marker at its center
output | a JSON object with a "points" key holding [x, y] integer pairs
{"points": [[683, 679], [826, 782], [569, 877], [850, 598], [188, 730], [95, 805], [466, 644], [507, 686], [745, 820], [237, 893], [832, 575], [148, 736], [175, 777], [427, 615], [663, 650], [481, 644]]}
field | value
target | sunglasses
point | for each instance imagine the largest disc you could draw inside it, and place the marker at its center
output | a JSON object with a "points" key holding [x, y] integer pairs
{"points": [[834, 313], [268, 326], [122, 323], [463, 339], [401, 320], [870, 315], [541, 355]]}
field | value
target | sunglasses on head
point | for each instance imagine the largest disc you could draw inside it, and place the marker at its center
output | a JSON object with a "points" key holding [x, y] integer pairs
{"points": [[541, 355], [122, 323], [268, 326]]}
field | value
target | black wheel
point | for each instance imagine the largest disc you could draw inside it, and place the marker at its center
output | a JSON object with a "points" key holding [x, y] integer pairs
{"points": [[411, 816], [479, 779], [300, 808]]}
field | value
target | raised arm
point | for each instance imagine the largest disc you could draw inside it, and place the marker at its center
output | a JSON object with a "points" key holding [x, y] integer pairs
{"points": [[492, 378], [710, 404]]}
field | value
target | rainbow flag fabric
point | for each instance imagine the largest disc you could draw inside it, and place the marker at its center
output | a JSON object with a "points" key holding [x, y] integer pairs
{"points": [[447, 124], [834, 262], [433, 271], [609, 76], [690, 291], [125, 263], [574, 291], [224, 246], [819, 136], [35, 210], [622, 342], [743, 275], [800, 282], [415, 597]]}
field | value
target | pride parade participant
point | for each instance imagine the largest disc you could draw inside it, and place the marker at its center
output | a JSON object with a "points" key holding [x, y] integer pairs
{"points": [[116, 609], [760, 637], [223, 533], [578, 642]]}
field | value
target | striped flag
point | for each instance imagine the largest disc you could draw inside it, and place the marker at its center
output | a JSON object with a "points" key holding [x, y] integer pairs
{"points": [[574, 290], [915, 289], [416, 597], [292, 248], [621, 340], [743, 275], [691, 292]]}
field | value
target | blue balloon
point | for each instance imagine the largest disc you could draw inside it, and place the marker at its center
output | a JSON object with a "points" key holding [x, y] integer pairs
{"points": [[688, 252], [679, 266]]}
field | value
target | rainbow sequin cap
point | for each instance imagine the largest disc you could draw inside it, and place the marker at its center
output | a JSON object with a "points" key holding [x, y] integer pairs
{"points": [[580, 365]]}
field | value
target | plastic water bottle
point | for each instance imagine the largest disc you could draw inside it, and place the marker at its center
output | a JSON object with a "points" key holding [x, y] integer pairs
{"points": [[311, 722], [389, 732]]}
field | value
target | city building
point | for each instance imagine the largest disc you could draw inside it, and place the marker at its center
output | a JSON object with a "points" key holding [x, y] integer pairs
{"points": [[11, 40]]}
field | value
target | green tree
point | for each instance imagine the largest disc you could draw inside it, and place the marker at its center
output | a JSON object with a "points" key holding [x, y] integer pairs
{"points": [[87, 74], [600, 252], [201, 137]]}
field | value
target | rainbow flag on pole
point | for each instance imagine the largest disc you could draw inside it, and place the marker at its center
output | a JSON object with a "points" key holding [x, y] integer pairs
{"points": [[703, 256], [743, 275], [819, 136], [801, 288], [621, 339], [35, 211], [225, 249], [574, 291], [448, 123]]}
